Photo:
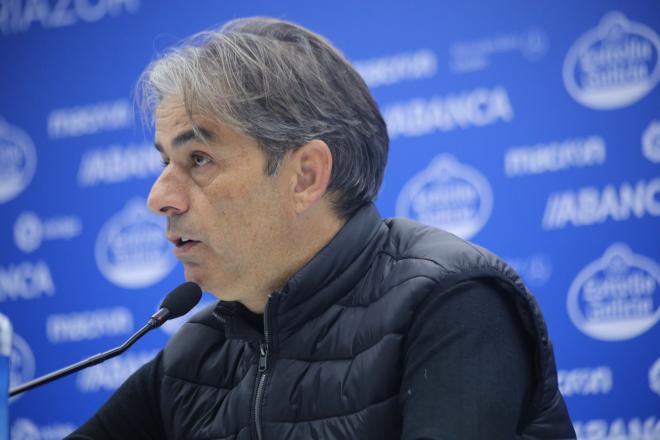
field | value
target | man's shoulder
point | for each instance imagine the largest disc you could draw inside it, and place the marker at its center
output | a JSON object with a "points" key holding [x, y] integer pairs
{"points": [[443, 252]]}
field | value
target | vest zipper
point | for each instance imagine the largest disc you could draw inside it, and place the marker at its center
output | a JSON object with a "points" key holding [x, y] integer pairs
{"points": [[261, 375]]}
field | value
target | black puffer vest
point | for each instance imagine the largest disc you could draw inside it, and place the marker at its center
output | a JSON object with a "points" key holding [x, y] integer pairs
{"points": [[317, 371]]}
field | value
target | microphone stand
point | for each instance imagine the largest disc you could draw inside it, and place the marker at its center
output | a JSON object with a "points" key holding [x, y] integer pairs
{"points": [[96, 359]]}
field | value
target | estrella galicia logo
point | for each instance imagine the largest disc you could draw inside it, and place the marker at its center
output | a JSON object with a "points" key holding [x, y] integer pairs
{"points": [[651, 142], [18, 161], [614, 65], [131, 248], [447, 195], [22, 363], [616, 297]]}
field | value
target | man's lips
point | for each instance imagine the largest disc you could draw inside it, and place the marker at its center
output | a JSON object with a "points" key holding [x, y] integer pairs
{"points": [[182, 244], [184, 248]]}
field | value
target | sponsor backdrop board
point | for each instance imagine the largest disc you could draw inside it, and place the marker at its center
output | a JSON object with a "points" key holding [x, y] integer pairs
{"points": [[529, 128]]}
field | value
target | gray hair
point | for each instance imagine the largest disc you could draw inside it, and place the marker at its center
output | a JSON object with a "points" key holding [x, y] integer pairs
{"points": [[284, 86]]}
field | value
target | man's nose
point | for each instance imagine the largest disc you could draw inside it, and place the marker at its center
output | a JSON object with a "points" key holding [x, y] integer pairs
{"points": [[168, 194]]}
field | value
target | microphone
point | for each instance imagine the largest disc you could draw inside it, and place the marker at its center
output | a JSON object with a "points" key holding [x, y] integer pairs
{"points": [[177, 303]]}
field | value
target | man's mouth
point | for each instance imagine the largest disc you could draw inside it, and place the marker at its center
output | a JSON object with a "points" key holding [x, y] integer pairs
{"points": [[182, 244], [182, 241]]}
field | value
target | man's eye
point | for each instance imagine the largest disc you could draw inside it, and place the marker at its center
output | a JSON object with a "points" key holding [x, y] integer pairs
{"points": [[199, 160]]}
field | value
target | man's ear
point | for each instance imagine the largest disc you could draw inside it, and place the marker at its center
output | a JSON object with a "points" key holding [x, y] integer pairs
{"points": [[312, 164]]}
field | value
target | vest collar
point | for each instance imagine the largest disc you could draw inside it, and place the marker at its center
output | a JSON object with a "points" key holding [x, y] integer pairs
{"points": [[320, 283], [330, 274]]}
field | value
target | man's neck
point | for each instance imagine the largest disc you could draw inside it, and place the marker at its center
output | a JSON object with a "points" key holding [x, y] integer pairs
{"points": [[311, 235]]}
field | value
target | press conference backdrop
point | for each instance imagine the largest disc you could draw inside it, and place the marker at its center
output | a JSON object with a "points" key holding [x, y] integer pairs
{"points": [[531, 128]]}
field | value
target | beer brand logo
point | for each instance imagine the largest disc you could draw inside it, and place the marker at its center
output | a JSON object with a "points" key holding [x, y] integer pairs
{"points": [[614, 65], [654, 377], [651, 142], [131, 249], [22, 367], [616, 297], [18, 161], [448, 195]]}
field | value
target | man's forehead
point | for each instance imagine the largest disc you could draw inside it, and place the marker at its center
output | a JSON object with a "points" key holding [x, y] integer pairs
{"points": [[175, 127], [173, 119], [172, 113]]}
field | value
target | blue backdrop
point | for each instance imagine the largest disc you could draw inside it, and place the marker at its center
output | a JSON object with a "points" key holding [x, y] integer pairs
{"points": [[531, 128]]}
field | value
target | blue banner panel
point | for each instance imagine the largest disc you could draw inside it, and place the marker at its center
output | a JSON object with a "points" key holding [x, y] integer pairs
{"points": [[530, 128]]}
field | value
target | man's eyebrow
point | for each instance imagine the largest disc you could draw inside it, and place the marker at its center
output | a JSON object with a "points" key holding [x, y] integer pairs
{"points": [[200, 133]]}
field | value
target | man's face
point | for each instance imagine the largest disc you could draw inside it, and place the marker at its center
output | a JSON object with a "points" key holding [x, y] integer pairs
{"points": [[227, 219]]}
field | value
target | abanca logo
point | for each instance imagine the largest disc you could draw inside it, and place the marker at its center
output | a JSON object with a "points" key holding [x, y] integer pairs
{"points": [[18, 161], [614, 65], [616, 297], [131, 249], [447, 195]]}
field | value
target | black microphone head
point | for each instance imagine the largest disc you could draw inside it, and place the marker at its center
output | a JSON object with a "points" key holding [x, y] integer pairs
{"points": [[182, 299]]}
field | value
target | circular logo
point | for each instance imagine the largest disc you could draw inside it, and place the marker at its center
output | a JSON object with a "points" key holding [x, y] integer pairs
{"points": [[447, 195], [25, 429], [616, 297], [28, 232], [22, 363], [654, 377], [131, 249], [534, 44], [614, 65], [18, 161], [651, 142]]}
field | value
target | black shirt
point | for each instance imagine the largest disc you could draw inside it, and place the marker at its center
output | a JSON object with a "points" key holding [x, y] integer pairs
{"points": [[468, 374]]}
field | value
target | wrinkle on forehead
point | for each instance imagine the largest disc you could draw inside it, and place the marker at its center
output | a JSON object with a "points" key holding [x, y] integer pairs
{"points": [[171, 113], [172, 117]]}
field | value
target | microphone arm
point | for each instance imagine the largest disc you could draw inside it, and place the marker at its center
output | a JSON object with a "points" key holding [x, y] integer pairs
{"points": [[93, 360], [177, 303]]}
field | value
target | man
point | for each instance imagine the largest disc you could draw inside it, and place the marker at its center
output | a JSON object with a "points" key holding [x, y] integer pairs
{"points": [[334, 323]]}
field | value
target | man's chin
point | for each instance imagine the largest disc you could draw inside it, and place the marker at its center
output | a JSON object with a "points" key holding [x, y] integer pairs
{"points": [[193, 273]]}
